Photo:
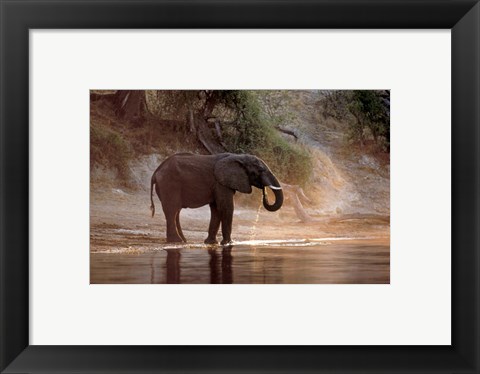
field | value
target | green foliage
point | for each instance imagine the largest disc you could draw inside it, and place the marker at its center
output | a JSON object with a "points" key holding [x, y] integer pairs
{"points": [[254, 133], [109, 148], [237, 119], [335, 104], [291, 163], [250, 129], [366, 113], [372, 113]]}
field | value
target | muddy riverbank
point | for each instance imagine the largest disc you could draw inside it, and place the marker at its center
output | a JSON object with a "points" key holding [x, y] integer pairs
{"points": [[127, 245]]}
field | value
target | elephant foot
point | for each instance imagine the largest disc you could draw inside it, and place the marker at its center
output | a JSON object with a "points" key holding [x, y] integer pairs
{"points": [[226, 242], [210, 241], [176, 240]]}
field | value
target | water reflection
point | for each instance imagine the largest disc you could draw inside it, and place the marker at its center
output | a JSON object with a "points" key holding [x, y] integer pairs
{"points": [[227, 275], [221, 271], [311, 264], [220, 265], [173, 266]]}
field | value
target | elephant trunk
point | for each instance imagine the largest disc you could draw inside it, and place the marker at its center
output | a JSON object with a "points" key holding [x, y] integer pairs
{"points": [[277, 190]]}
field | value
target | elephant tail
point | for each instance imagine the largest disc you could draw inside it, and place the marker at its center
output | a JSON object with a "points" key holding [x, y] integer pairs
{"points": [[152, 206]]}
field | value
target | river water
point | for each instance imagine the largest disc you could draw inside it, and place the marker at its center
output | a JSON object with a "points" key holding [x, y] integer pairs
{"points": [[313, 261]]}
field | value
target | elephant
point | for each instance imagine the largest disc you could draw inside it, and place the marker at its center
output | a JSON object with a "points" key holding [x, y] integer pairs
{"points": [[186, 180]]}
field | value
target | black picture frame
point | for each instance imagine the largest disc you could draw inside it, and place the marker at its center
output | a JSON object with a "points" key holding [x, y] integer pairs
{"points": [[19, 16]]}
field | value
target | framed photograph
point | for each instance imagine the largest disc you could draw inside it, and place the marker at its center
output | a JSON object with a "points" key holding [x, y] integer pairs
{"points": [[202, 152], [239, 186]]}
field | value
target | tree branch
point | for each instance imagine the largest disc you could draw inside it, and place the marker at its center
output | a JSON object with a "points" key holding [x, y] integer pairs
{"points": [[286, 131]]}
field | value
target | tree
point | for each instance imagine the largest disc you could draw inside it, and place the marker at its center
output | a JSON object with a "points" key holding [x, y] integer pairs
{"points": [[219, 120], [129, 104], [371, 110]]}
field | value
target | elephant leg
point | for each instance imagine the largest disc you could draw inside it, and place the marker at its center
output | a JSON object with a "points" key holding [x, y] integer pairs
{"points": [[179, 228], [171, 218], [225, 207], [214, 225], [227, 230]]}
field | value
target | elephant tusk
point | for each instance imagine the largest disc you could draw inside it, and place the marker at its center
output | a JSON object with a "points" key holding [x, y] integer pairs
{"points": [[274, 188]]}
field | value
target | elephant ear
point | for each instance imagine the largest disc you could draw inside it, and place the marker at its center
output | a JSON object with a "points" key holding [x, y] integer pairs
{"points": [[230, 173]]}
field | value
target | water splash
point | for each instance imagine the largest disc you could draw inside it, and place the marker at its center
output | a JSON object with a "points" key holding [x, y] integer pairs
{"points": [[253, 243], [253, 233]]}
